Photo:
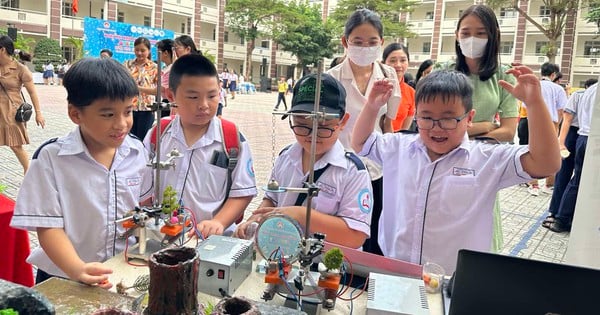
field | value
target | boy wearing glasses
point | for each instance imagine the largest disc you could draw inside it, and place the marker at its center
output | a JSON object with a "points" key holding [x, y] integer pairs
{"points": [[342, 209], [440, 187]]}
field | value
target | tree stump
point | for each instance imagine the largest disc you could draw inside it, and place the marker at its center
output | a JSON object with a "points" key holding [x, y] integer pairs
{"points": [[173, 282]]}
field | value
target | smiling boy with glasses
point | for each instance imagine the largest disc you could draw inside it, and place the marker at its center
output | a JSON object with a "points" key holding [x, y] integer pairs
{"points": [[342, 209], [440, 187]]}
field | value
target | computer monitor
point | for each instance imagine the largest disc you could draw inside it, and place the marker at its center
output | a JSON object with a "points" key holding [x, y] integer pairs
{"points": [[492, 284]]}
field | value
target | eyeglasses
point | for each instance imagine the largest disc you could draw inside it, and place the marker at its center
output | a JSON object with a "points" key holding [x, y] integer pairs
{"points": [[322, 132], [444, 123], [360, 42]]}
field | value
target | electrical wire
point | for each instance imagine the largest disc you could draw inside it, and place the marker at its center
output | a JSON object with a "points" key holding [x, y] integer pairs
{"points": [[351, 276], [355, 297]]}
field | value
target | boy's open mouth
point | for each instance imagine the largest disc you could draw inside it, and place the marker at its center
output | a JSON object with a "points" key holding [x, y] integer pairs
{"points": [[439, 139]]}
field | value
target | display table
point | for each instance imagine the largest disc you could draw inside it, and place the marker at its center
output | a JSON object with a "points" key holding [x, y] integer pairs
{"points": [[15, 247], [251, 288]]}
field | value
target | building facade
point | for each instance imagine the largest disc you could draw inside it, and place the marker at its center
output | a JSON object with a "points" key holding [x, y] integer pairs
{"points": [[203, 20], [434, 22]]}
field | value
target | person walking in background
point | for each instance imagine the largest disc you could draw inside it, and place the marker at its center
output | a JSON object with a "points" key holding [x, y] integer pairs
{"points": [[48, 74], [13, 76], [166, 50], [569, 140], [290, 83], [282, 89], [477, 56], [144, 72], [62, 69], [233, 78], [396, 56]]}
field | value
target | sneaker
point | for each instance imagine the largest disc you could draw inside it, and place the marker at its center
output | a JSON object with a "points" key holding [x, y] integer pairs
{"points": [[548, 190], [534, 190]]}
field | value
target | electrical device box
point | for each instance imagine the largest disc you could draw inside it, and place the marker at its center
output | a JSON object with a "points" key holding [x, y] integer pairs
{"points": [[225, 262], [389, 295]]}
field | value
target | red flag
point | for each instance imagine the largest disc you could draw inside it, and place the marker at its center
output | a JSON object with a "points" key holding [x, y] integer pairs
{"points": [[75, 6]]}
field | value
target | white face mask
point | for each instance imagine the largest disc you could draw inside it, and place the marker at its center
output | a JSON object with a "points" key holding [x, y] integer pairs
{"points": [[472, 47], [363, 56]]}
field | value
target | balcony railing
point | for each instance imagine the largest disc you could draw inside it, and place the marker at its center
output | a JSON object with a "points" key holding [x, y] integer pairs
{"points": [[24, 16], [209, 14]]}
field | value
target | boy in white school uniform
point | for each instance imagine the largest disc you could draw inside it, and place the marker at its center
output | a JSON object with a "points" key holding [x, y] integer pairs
{"points": [[342, 209], [439, 186], [79, 184], [200, 183]]}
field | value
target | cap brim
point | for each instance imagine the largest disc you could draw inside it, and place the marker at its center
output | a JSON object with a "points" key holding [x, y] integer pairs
{"points": [[309, 108]]}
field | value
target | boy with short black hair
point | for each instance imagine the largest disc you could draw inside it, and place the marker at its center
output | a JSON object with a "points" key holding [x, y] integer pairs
{"points": [[198, 177], [79, 184], [440, 187], [342, 209]]}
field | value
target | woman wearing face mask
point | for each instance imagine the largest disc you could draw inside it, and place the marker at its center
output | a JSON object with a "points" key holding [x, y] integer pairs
{"points": [[477, 43], [363, 37], [396, 56], [144, 72]]}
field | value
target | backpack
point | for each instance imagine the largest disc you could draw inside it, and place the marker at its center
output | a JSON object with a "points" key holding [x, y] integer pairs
{"points": [[226, 159]]}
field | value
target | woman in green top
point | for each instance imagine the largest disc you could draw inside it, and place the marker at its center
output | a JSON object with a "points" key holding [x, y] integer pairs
{"points": [[477, 43]]}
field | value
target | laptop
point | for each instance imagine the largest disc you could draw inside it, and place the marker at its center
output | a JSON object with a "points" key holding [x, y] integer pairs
{"points": [[491, 284]]}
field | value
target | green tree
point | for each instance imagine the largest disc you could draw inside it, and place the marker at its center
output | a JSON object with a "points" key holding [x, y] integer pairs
{"points": [[77, 44], [251, 19], [23, 43], [559, 11], [593, 15], [47, 49], [389, 10], [303, 33]]}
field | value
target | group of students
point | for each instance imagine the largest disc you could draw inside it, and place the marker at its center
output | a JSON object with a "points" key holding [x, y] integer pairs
{"points": [[437, 195]]}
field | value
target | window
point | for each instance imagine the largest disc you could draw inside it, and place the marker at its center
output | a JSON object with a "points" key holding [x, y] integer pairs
{"points": [[429, 16], [147, 21], [427, 47], [121, 16], [540, 48], [14, 4], [67, 9], [264, 44], [506, 48], [507, 12], [591, 48], [68, 53], [183, 28], [241, 69], [242, 40], [226, 37], [214, 34], [544, 10], [189, 25], [102, 14]]}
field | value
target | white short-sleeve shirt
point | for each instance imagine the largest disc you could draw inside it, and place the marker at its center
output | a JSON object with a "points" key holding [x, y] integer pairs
{"points": [[585, 108], [554, 97], [66, 188], [572, 106], [199, 183], [433, 209], [345, 191]]}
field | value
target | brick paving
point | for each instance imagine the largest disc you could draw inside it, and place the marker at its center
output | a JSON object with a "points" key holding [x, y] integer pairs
{"points": [[521, 213]]}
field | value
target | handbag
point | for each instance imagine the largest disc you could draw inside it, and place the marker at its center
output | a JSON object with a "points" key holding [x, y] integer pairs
{"points": [[24, 111]]}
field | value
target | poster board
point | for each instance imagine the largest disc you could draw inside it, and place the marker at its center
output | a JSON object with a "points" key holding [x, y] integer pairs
{"points": [[119, 38]]}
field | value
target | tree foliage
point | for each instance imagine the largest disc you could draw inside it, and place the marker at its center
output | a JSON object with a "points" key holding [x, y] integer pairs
{"points": [[303, 33], [389, 10], [593, 15], [47, 49], [23, 43], [559, 11], [252, 19], [77, 44]]}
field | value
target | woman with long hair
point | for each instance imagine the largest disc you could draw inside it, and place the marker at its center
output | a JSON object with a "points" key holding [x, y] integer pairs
{"points": [[144, 72], [184, 45], [396, 56], [13, 76]]}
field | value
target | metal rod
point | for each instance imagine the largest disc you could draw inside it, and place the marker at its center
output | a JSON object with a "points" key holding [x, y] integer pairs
{"points": [[156, 165], [313, 149]]}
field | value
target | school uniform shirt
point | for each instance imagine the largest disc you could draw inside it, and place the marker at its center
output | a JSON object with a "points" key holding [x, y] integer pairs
{"points": [[585, 109], [433, 209], [355, 101], [554, 97], [200, 184], [345, 191], [572, 105], [66, 188]]}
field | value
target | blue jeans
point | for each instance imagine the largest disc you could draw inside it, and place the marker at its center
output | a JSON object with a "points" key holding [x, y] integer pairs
{"points": [[569, 199], [566, 171]]}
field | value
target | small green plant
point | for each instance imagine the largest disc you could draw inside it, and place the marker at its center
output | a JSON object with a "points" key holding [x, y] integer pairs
{"points": [[169, 203], [333, 259], [208, 308], [2, 189], [8, 311]]}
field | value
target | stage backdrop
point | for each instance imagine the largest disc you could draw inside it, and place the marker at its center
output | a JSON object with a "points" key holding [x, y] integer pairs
{"points": [[118, 37]]}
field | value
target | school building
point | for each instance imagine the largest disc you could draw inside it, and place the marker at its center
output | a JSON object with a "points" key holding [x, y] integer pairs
{"points": [[433, 22]]}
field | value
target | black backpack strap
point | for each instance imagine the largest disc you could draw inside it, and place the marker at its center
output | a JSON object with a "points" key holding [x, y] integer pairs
{"points": [[39, 149], [302, 196], [356, 160]]}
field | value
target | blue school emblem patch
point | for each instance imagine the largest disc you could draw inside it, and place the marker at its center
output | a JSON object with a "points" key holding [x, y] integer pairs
{"points": [[365, 201], [250, 168]]}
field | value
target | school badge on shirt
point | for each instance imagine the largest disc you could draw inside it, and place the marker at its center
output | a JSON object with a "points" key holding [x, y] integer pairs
{"points": [[460, 171], [133, 181]]}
